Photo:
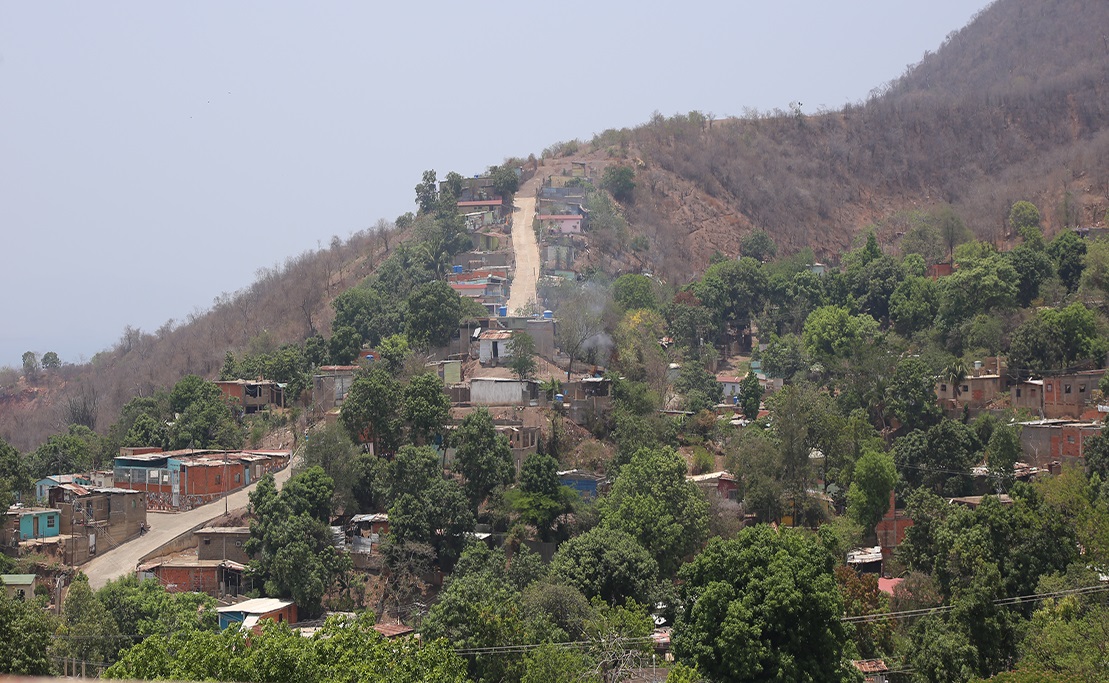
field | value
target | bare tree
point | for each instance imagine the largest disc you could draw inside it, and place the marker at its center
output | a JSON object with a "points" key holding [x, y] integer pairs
{"points": [[578, 322]]}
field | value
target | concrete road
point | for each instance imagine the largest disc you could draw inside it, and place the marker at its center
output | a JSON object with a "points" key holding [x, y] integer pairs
{"points": [[163, 527], [525, 247]]}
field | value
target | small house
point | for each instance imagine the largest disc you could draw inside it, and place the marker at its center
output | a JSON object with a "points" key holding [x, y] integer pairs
{"points": [[250, 612], [720, 484], [493, 346], [498, 391], [253, 395], [330, 385], [223, 543], [43, 486], [19, 586], [565, 224], [24, 524], [585, 483]]}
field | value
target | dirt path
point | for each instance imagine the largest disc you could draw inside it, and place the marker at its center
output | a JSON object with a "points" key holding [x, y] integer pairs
{"points": [[525, 247], [163, 527]]}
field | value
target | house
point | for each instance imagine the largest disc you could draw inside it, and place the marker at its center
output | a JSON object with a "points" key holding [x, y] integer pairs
{"points": [[186, 572], [1056, 441], [866, 560], [97, 519], [493, 204], [540, 329], [974, 392], [565, 224], [394, 631], [1069, 394], [223, 543], [585, 483], [450, 371], [493, 347], [43, 486], [19, 586], [1028, 395], [25, 524], [720, 484], [892, 527], [974, 501], [184, 479], [330, 385], [497, 391], [366, 531], [587, 398], [873, 670], [253, 395], [249, 612], [938, 270], [522, 439], [729, 383]]}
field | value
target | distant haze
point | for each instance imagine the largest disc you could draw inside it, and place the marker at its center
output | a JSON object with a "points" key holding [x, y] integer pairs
{"points": [[154, 156]]}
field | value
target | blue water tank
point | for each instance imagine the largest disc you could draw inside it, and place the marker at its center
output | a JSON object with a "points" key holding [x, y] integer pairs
{"points": [[457, 270], [547, 315], [502, 311], [559, 398]]}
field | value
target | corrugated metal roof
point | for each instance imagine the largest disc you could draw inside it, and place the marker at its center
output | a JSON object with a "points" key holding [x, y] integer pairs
{"points": [[257, 606]]}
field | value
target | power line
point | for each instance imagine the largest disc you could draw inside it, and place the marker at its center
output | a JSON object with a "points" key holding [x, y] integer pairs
{"points": [[1007, 602]]}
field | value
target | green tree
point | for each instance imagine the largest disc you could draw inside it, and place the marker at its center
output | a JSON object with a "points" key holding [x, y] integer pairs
{"points": [[87, 630], [1069, 253], [868, 498], [143, 608], [784, 357], [653, 502], [750, 396], [331, 449], [540, 498], [372, 410], [426, 407], [25, 637], [505, 180], [344, 345], [911, 394], [434, 311], [762, 606], [1033, 267], [758, 245], [1024, 215], [482, 457], [832, 331], [31, 365], [620, 182], [913, 305], [14, 477], [607, 563], [939, 458], [394, 351], [632, 291], [522, 349], [427, 192], [1002, 452], [50, 361], [290, 541], [424, 507]]}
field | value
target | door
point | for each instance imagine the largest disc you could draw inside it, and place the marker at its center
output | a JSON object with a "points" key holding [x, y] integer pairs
{"points": [[92, 544], [175, 487], [35, 524]]}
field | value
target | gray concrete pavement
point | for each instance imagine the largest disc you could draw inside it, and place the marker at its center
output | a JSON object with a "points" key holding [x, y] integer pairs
{"points": [[164, 527]]}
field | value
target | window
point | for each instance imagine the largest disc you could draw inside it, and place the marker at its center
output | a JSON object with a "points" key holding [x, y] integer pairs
{"points": [[1081, 388], [1066, 388], [237, 478], [965, 388], [1018, 393], [207, 541], [50, 521], [1070, 438], [218, 479], [943, 388]]}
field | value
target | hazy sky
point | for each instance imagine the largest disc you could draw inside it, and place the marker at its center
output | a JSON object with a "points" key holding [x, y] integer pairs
{"points": [[154, 155]]}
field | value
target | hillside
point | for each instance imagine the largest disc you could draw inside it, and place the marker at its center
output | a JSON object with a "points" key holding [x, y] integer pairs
{"points": [[1013, 106]]}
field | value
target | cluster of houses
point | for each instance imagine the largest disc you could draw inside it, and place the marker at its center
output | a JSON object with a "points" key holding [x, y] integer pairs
{"points": [[562, 220], [74, 520], [183, 479]]}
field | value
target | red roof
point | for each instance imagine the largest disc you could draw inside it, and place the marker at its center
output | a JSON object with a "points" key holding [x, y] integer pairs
{"points": [[887, 585], [393, 630]]}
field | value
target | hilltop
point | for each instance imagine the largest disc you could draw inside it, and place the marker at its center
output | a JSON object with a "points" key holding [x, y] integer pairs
{"points": [[1011, 107]]}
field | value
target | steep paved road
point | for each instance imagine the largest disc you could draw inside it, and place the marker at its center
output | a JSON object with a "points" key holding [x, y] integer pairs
{"points": [[525, 247], [163, 527]]}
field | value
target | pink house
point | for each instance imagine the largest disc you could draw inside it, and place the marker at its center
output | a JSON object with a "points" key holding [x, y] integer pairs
{"points": [[567, 224]]}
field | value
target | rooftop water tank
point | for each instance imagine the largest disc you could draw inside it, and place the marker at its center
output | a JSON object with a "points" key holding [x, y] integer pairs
{"points": [[547, 315]]}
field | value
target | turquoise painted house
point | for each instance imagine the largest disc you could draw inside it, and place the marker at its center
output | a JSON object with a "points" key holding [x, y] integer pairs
{"points": [[43, 486], [22, 524]]}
